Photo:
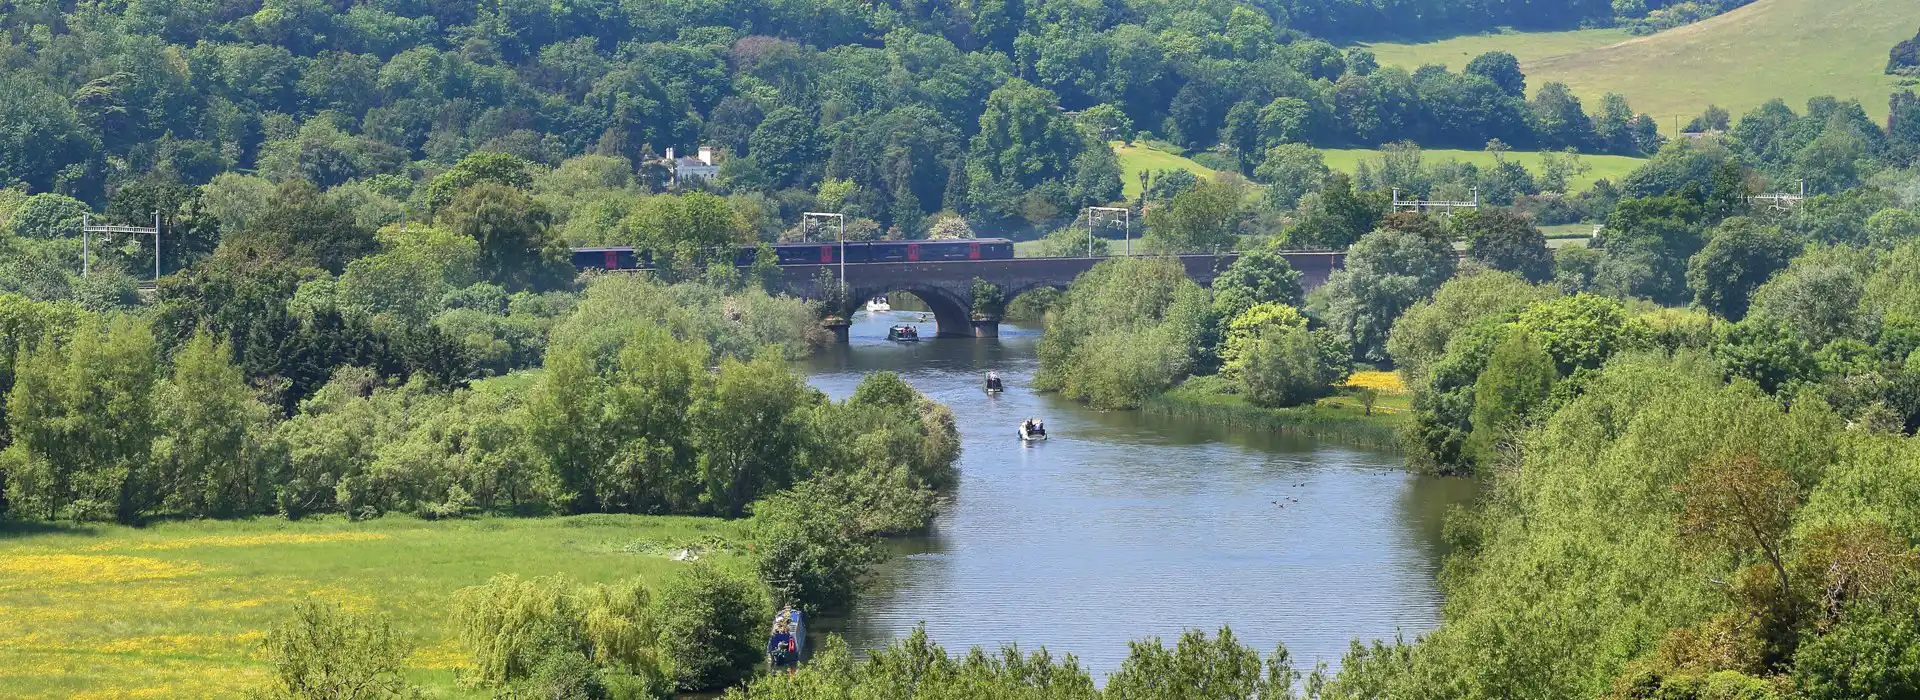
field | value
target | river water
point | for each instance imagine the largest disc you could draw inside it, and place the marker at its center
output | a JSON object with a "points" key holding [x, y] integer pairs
{"points": [[1124, 525]]}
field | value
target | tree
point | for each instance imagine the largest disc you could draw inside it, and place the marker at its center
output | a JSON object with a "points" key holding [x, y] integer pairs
{"points": [[1558, 118], [304, 228], [1505, 240], [61, 464], [1205, 218], [213, 439], [812, 550], [325, 652], [1501, 68], [1244, 329], [1023, 143], [1818, 294], [950, 228], [686, 231], [1740, 255], [710, 627], [523, 632], [749, 432], [480, 166], [1337, 216], [1422, 334], [1123, 332], [1291, 366], [784, 145], [1387, 271], [1256, 277], [44, 138], [512, 228], [1737, 502], [47, 216], [1518, 378], [1290, 171], [988, 301]]}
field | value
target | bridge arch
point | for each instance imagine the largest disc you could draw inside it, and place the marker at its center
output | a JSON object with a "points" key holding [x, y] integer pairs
{"points": [[952, 313]]}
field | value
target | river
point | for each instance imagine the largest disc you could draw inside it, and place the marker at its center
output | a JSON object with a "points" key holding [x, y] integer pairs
{"points": [[1124, 525]]}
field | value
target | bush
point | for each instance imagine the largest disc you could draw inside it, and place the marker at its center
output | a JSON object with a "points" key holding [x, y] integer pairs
{"points": [[812, 548], [558, 639], [709, 629], [1291, 365], [324, 653]]}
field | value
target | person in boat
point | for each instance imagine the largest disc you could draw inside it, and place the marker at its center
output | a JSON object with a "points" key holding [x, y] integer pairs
{"points": [[781, 649], [1040, 428], [993, 382], [1026, 427]]}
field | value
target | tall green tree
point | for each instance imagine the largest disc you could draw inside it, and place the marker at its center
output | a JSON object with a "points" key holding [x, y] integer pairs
{"points": [[517, 248], [83, 421], [213, 442], [1740, 255], [1387, 272]]}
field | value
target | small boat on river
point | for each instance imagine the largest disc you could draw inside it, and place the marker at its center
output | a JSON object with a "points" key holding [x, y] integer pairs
{"points": [[903, 334], [994, 387], [1033, 431], [878, 305]]}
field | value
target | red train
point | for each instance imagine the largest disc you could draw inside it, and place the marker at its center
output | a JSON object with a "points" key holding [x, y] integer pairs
{"points": [[628, 258]]}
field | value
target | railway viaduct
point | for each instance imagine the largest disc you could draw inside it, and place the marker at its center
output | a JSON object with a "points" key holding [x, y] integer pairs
{"points": [[947, 286]]}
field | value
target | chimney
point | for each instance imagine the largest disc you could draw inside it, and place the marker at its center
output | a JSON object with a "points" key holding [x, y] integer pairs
{"points": [[706, 155], [669, 155]]}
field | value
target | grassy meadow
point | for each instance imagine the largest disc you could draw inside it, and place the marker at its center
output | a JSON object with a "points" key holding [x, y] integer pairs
{"points": [[179, 610], [1144, 157], [1600, 167], [1341, 417], [1791, 49]]}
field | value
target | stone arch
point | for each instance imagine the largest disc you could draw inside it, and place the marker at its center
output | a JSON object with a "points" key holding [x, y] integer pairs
{"points": [[952, 313]]}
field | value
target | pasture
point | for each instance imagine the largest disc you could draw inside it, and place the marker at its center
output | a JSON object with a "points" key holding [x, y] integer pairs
{"points": [[178, 610], [1790, 49]]}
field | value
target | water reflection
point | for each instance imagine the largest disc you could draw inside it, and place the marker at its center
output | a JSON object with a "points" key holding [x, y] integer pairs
{"points": [[1125, 525]]}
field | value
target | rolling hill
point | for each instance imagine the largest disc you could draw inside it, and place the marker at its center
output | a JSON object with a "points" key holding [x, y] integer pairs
{"points": [[1791, 49]]}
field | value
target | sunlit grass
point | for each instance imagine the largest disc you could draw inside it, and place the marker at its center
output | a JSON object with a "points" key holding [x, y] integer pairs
{"points": [[1599, 166], [1790, 49], [178, 610]]}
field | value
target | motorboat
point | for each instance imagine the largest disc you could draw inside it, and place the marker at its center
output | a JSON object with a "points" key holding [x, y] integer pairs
{"points": [[1032, 436], [994, 387], [878, 305], [903, 334]]}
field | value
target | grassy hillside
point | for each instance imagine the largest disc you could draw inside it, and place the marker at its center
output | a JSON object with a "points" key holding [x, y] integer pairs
{"points": [[179, 609], [1608, 167], [1529, 47], [1792, 49], [1140, 156]]}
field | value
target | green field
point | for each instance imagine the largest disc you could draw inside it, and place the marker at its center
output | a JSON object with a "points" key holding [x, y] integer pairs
{"points": [[1454, 53], [179, 609], [1608, 167], [1791, 49], [1142, 157]]}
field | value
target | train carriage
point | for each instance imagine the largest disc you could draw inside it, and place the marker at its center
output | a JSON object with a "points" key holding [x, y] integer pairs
{"points": [[627, 258]]}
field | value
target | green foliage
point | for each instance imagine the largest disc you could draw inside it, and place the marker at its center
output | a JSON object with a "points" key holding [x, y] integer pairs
{"points": [[685, 231], [1518, 378], [1582, 331], [1504, 240], [710, 626], [1256, 277], [478, 167], [1290, 366], [1206, 218], [1244, 329], [1818, 294], [214, 443], [988, 301], [62, 463], [1387, 272], [1125, 331], [555, 638], [325, 652], [1420, 335], [1290, 171], [44, 216], [516, 248], [1740, 255], [812, 547], [303, 228]]}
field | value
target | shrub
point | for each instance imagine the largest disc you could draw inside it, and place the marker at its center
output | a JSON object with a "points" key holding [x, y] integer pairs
{"points": [[1289, 366], [709, 629], [323, 653]]}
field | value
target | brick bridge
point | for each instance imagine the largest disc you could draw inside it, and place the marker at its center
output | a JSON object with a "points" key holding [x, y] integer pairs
{"points": [[947, 286]]}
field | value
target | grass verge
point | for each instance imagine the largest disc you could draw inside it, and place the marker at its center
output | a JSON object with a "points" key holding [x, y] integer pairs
{"points": [[1341, 418], [179, 609]]}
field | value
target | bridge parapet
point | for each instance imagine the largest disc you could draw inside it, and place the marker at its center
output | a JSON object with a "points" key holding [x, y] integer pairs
{"points": [[947, 286]]}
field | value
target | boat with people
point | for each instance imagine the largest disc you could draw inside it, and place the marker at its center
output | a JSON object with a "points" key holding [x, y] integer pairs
{"points": [[788, 639], [1033, 430], [994, 387], [878, 305], [903, 334]]}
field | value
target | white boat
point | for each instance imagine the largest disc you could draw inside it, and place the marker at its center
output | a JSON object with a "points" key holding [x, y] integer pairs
{"points": [[1030, 437], [878, 305]]}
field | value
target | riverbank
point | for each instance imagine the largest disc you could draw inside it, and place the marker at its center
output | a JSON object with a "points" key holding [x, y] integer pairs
{"points": [[179, 609], [1342, 418]]}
